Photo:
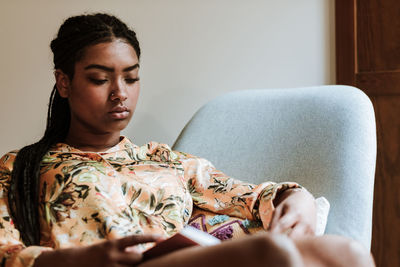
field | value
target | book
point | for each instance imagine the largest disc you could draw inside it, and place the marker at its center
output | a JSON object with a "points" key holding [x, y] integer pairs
{"points": [[187, 237]]}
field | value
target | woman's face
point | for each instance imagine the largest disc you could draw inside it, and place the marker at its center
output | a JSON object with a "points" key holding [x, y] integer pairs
{"points": [[105, 88]]}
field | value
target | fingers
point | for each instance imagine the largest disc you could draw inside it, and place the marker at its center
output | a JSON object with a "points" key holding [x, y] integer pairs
{"points": [[128, 258], [278, 212], [294, 215], [299, 230], [285, 223], [124, 252], [136, 239]]}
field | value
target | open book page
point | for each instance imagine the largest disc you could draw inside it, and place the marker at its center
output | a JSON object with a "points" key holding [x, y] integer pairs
{"points": [[188, 236]]}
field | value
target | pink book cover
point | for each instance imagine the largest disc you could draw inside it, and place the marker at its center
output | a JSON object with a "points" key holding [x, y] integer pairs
{"points": [[187, 237]]}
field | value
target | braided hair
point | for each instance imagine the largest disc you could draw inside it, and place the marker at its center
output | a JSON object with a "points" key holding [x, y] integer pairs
{"points": [[74, 35]]}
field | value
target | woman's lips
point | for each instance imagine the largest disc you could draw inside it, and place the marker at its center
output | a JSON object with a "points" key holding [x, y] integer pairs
{"points": [[119, 113]]}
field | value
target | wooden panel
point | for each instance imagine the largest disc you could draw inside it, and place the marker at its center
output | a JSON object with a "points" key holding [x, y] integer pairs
{"points": [[379, 83], [378, 34], [386, 216], [345, 45]]}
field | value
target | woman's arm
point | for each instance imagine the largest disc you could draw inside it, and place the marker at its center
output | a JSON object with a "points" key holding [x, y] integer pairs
{"points": [[118, 252], [213, 190]]}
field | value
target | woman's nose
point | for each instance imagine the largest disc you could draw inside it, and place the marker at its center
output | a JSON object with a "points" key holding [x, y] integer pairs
{"points": [[119, 92]]}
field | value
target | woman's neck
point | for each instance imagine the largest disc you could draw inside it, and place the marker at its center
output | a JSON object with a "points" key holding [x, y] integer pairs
{"points": [[93, 142]]}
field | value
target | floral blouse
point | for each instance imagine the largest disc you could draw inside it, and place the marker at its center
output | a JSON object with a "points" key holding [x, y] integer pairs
{"points": [[87, 197]]}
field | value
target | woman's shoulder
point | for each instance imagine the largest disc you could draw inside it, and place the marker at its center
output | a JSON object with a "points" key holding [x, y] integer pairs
{"points": [[6, 166], [7, 160]]}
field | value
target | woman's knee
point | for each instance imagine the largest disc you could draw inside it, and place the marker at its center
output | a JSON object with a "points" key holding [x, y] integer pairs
{"points": [[331, 250], [272, 250], [358, 255]]}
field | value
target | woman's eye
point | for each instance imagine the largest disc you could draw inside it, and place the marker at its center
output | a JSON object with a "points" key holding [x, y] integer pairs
{"points": [[98, 81], [131, 81]]}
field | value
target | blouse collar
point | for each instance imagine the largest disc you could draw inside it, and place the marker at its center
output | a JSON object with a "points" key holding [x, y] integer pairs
{"points": [[123, 144]]}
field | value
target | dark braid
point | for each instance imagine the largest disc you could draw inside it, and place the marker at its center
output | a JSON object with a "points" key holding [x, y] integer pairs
{"points": [[76, 34]]}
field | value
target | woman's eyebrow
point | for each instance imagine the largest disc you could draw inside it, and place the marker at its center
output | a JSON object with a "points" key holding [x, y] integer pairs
{"points": [[108, 69], [131, 67]]}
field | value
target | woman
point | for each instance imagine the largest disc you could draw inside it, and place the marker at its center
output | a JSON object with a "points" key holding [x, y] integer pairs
{"points": [[85, 196]]}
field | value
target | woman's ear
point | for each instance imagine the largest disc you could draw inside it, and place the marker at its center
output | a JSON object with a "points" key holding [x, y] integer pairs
{"points": [[62, 83]]}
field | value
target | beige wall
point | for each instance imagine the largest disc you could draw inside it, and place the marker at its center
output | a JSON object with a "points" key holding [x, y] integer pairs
{"points": [[193, 51]]}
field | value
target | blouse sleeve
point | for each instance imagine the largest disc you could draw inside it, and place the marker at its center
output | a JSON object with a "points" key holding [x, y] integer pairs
{"points": [[212, 190], [12, 251]]}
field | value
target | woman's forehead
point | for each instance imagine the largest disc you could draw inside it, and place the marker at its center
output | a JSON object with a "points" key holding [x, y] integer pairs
{"points": [[117, 52]]}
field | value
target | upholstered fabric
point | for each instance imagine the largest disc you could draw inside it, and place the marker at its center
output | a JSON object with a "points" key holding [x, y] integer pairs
{"points": [[321, 137]]}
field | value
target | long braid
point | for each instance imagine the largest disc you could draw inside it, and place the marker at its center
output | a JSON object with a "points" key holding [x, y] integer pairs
{"points": [[74, 36]]}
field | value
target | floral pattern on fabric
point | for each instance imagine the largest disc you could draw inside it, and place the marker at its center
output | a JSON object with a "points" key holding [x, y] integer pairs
{"points": [[87, 197]]}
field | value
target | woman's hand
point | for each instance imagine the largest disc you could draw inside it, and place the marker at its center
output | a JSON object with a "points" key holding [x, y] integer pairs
{"points": [[295, 213], [111, 253]]}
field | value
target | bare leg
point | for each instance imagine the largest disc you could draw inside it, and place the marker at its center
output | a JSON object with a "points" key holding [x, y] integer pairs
{"points": [[257, 250], [272, 250]]}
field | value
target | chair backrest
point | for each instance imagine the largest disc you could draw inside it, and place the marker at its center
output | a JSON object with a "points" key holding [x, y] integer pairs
{"points": [[321, 137]]}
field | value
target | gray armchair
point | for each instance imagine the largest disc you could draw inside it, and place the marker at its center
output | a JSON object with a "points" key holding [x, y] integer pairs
{"points": [[321, 137]]}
